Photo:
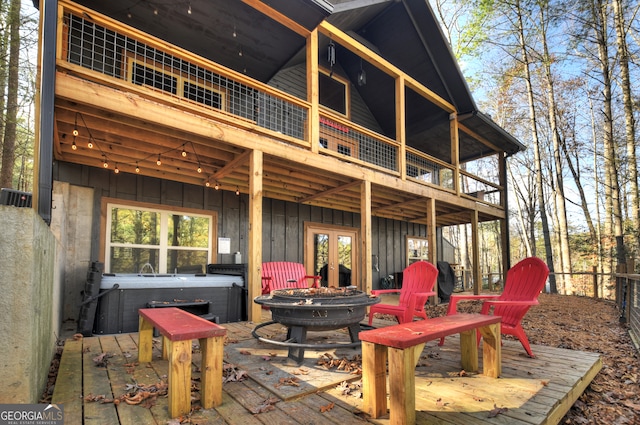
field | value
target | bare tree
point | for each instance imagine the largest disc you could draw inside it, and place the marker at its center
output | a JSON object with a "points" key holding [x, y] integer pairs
{"points": [[11, 116]]}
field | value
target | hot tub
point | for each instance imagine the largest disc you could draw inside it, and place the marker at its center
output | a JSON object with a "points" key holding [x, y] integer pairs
{"points": [[222, 297]]}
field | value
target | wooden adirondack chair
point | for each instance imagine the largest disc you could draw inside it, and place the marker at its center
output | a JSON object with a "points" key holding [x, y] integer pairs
{"points": [[286, 274], [417, 286], [522, 286]]}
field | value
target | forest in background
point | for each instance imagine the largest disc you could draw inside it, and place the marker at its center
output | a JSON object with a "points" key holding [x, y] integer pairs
{"points": [[559, 75]]}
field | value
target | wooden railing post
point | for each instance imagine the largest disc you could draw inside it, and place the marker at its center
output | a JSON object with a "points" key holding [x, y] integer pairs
{"points": [[595, 282]]}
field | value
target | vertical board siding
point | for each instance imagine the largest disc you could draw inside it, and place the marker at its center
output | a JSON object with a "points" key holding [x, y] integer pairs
{"points": [[283, 222]]}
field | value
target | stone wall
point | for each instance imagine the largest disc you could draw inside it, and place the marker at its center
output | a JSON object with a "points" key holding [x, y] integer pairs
{"points": [[29, 303]]}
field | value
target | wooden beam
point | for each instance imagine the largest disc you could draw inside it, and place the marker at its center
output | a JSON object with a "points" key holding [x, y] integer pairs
{"points": [[366, 283], [432, 237], [330, 192], [401, 131], [479, 138], [232, 165], [382, 64], [475, 254], [313, 91], [255, 234], [455, 151], [278, 17]]}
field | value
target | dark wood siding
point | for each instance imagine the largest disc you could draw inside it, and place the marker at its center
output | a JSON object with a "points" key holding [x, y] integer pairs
{"points": [[283, 222]]}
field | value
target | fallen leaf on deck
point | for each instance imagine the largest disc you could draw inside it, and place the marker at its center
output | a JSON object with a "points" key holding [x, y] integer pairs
{"points": [[327, 407], [497, 410], [292, 382], [266, 405]]}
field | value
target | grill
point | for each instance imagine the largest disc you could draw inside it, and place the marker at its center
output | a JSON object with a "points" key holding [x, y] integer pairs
{"points": [[315, 309]]}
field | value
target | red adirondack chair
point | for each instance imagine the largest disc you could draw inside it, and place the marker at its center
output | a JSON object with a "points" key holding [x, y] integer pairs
{"points": [[417, 286], [522, 286], [286, 274]]}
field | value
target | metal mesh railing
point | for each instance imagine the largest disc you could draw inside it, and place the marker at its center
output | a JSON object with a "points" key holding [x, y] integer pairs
{"points": [[421, 168], [118, 55], [346, 140]]}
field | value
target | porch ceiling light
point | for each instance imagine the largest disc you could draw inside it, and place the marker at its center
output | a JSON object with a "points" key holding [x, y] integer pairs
{"points": [[159, 162], [217, 186], [362, 76], [137, 168], [237, 190]]}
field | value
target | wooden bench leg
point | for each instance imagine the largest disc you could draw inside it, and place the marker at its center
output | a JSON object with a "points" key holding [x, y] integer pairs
{"points": [[211, 371], [179, 377], [491, 350], [469, 350], [145, 340], [374, 379], [402, 384]]}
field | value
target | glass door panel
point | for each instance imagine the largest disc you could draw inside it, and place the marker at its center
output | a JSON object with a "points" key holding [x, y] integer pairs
{"points": [[333, 254]]}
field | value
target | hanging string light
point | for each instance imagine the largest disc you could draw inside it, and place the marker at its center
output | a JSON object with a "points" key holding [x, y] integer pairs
{"points": [[217, 186], [237, 190], [105, 164], [137, 168], [75, 133], [159, 162], [115, 170], [189, 9]]}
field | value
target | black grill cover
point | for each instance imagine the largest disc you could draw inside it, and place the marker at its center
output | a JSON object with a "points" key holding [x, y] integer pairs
{"points": [[446, 281]]}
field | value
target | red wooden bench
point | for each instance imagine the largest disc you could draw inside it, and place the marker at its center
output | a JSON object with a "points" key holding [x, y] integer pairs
{"points": [[403, 344], [178, 328], [286, 274]]}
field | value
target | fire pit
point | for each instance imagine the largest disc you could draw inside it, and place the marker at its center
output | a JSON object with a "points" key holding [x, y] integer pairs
{"points": [[315, 309]]}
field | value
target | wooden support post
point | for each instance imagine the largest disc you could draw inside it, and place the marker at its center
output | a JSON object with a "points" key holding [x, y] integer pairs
{"points": [[402, 384], [145, 341], [401, 133], [475, 252], [374, 379], [469, 350], [179, 377], [491, 350], [255, 234], [313, 123], [433, 241], [366, 284], [211, 371]]}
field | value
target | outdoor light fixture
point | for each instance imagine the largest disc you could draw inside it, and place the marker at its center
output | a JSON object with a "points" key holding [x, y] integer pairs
{"points": [[362, 76], [159, 162], [90, 144], [189, 9], [237, 190], [115, 170], [137, 168], [106, 164], [73, 145], [217, 186], [199, 169], [207, 183], [331, 56], [184, 153]]}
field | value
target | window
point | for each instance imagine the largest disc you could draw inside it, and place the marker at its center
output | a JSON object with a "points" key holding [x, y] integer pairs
{"points": [[417, 249], [172, 81], [333, 92], [170, 241]]}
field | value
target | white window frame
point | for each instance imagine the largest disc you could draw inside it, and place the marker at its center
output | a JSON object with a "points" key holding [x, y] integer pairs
{"points": [[163, 247]]}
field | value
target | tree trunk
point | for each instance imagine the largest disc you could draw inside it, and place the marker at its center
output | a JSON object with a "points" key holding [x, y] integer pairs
{"points": [[536, 146], [10, 133], [630, 134], [560, 203]]}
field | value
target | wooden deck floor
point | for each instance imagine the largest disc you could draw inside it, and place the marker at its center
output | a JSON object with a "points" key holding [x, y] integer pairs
{"points": [[530, 391]]}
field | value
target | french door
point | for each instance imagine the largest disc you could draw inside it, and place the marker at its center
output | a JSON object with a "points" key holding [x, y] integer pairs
{"points": [[332, 253]]}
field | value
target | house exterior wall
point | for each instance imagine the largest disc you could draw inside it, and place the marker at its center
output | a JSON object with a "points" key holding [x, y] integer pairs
{"points": [[30, 304], [283, 222]]}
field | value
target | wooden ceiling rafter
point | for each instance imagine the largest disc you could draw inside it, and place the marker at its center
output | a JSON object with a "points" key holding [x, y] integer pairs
{"points": [[330, 192]]}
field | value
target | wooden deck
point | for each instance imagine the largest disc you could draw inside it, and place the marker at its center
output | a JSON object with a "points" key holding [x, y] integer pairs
{"points": [[530, 391]]}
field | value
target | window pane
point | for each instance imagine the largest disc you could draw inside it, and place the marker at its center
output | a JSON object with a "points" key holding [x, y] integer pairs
{"points": [[188, 231], [132, 260], [185, 261], [135, 227], [332, 93]]}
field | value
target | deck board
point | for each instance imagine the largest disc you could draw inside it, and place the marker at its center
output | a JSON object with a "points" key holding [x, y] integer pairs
{"points": [[535, 391]]}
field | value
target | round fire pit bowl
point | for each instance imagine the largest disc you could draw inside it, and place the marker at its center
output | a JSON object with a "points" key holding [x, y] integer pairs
{"points": [[315, 309]]}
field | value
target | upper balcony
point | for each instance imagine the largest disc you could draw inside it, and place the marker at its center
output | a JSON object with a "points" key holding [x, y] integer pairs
{"points": [[131, 102]]}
